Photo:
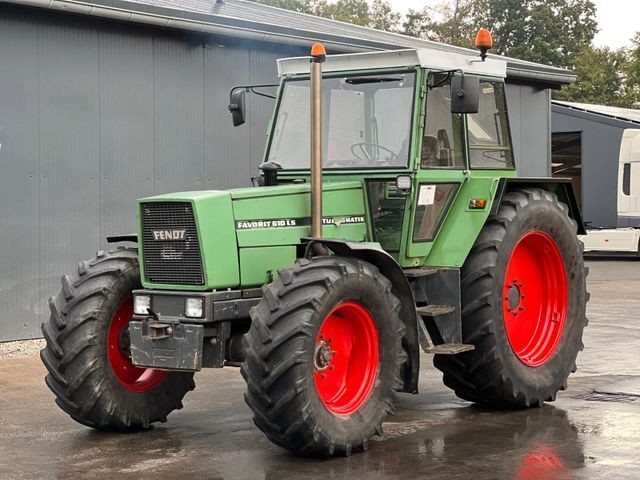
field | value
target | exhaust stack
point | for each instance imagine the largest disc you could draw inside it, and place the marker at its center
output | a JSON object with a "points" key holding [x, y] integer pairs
{"points": [[318, 56]]}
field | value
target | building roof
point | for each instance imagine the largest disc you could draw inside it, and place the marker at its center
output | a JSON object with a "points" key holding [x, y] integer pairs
{"points": [[247, 19], [617, 113]]}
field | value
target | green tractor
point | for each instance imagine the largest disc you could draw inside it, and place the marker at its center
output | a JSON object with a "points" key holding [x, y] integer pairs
{"points": [[410, 229]]}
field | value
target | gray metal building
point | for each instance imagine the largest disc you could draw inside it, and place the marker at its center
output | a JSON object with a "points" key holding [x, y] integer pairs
{"points": [[586, 147], [104, 101]]}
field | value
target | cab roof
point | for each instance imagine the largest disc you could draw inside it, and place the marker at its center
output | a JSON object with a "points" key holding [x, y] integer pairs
{"points": [[421, 57]]}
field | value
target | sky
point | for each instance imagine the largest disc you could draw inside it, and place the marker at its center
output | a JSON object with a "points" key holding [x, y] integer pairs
{"points": [[618, 20]]}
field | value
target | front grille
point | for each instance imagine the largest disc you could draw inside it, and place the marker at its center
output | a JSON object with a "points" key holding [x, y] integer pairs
{"points": [[170, 246]]}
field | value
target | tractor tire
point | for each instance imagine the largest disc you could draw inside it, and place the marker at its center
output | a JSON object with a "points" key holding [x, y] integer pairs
{"points": [[523, 305], [306, 396], [90, 372]]}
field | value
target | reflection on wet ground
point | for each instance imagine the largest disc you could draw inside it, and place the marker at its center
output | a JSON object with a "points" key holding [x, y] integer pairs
{"points": [[590, 432]]}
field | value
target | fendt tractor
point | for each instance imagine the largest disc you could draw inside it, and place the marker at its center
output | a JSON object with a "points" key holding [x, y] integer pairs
{"points": [[387, 218]]}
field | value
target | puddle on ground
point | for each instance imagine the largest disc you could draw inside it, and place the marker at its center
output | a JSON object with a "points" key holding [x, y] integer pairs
{"points": [[615, 397]]}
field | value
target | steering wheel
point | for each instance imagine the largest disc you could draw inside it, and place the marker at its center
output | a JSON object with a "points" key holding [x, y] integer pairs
{"points": [[360, 147]]}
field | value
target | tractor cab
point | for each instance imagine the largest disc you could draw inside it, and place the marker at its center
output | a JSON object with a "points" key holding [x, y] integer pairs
{"points": [[413, 126]]}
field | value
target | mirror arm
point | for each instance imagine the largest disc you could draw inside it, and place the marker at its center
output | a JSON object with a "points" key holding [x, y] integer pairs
{"points": [[251, 89], [261, 94], [449, 73]]}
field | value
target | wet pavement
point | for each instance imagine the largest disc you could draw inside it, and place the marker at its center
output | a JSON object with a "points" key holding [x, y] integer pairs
{"points": [[592, 431]]}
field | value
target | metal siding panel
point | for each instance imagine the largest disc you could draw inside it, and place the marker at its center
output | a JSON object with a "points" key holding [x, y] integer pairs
{"points": [[126, 128], [227, 151], [531, 142], [179, 115], [600, 156], [20, 293], [68, 139]]}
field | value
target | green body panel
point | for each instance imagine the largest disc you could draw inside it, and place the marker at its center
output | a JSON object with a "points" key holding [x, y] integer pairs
{"points": [[240, 250], [216, 234], [343, 202], [270, 221], [462, 225], [260, 264]]}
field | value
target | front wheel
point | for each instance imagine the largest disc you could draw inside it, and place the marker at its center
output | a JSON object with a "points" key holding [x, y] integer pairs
{"points": [[88, 356], [323, 356], [523, 305]]}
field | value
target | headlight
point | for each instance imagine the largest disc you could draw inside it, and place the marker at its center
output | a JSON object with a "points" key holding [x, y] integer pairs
{"points": [[194, 307], [141, 304]]}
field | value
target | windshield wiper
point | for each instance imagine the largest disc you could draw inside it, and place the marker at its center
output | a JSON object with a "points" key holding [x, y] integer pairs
{"points": [[361, 80]]}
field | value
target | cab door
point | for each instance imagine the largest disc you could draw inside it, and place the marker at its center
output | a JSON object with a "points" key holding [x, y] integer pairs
{"points": [[442, 169]]}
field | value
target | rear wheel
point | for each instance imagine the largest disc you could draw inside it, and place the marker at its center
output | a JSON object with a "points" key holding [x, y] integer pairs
{"points": [[523, 305], [88, 351], [323, 356]]}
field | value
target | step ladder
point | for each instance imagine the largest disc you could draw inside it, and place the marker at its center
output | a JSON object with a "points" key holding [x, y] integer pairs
{"points": [[425, 339]]}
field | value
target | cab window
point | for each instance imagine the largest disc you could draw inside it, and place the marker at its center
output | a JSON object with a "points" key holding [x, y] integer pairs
{"points": [[433, 203], [442, 144], [367, 118], [488, 130]]}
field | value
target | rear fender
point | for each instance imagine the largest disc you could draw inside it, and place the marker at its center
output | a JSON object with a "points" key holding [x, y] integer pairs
{"points": [[372, 253], [562, 187]]}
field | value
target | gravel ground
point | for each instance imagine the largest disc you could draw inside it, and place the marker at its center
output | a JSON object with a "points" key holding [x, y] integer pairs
{"points": [[21, 348]]}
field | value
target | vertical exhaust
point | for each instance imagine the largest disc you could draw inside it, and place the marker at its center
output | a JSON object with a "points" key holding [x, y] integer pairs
{"points": [[318, 56]]}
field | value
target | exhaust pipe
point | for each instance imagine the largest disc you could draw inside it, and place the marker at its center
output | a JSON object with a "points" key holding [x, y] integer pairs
{"points": [[318, 56]]}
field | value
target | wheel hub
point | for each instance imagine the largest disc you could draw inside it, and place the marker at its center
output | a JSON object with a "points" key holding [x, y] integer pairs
{"points": [[514, 297], [323, 355]]}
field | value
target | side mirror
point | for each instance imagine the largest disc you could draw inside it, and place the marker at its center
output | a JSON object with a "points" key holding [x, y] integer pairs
{"points": [[237, 106], [465, 94]]}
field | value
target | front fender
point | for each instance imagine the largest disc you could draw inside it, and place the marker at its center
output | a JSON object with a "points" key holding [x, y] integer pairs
{"points": [[373, 253]]}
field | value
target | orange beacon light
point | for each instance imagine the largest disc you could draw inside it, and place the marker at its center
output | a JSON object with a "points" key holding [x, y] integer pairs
{"points": [[484, 42]]}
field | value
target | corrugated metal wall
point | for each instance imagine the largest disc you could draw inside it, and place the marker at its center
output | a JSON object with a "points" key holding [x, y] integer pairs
{"points": [[601, 139], [530, 118], [95, 114]]}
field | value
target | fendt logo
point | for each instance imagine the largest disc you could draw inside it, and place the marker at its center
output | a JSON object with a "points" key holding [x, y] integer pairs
{"points": [[169, 234]]}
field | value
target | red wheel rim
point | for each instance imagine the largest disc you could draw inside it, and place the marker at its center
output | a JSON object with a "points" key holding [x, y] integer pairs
{"points": [[346, 358], [535, 298], [131, 377]]}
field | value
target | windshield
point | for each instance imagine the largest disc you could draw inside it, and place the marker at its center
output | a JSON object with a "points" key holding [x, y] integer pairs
{"points": [[366, 122]]}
